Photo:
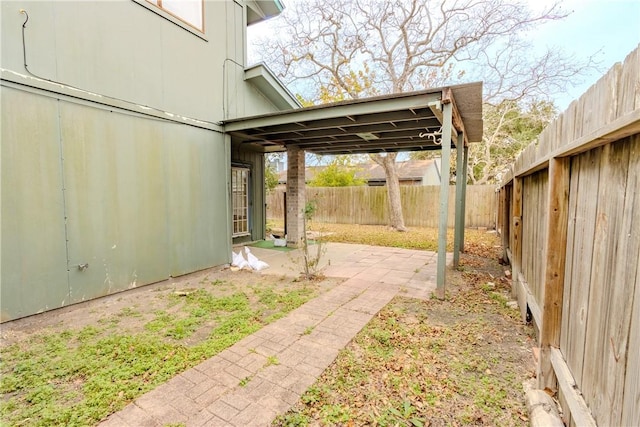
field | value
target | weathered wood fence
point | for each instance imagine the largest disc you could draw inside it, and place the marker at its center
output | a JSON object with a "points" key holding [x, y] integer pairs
{"points": [[569, 218], [368, 205]]}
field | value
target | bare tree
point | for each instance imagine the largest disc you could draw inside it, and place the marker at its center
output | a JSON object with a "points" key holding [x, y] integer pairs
{"points": [[388, 163], [351, 49]]}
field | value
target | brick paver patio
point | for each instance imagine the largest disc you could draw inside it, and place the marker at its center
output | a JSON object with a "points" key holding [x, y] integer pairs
{"points": [[264, 374]]}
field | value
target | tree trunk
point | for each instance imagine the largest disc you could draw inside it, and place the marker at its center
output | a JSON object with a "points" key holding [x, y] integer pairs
{"points": [[388, 163]]}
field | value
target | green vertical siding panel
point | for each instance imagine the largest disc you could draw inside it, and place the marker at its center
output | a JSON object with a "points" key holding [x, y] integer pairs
{"points": [[258, 198], [234, 102], [116, 200], [146, 198], [34, 264], [197, 171]]}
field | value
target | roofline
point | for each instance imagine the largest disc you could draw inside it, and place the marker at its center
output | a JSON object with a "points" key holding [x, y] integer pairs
{"points": [[264, 9], [261, 76]]}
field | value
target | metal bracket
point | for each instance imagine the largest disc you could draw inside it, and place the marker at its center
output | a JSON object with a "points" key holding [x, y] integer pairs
{"points": [[436, 137]]}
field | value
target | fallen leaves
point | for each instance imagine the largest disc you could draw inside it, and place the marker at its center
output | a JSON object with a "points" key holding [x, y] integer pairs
{"points": [[459, 361]]}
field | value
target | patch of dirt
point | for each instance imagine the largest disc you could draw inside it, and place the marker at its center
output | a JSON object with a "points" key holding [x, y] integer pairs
{"points": [[134, 308]]}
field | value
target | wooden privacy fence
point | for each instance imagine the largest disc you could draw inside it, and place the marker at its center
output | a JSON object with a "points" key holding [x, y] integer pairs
{"points": [[368, 205], [569, 218]]}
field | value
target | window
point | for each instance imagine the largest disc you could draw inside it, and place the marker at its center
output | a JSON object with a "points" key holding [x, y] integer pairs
{"points": [[188, 11], [240, 201]]}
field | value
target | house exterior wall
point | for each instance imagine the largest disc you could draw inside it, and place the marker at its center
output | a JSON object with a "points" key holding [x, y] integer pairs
{"points": [[114, 157], [122, 49], [432, 173]]}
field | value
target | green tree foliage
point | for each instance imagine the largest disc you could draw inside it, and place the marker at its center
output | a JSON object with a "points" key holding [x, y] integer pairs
{"points": [[339, 173], [508, 128], [270, 178]]}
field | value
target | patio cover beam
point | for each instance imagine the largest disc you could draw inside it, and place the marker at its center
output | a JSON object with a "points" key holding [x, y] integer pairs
{"points": [[396, 122], [344, 114]]}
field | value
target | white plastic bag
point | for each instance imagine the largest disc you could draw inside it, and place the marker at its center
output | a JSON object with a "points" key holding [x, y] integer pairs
{"points": [[253, 261], [238, 260]]}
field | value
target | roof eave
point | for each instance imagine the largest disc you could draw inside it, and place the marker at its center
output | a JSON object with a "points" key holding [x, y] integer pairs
{"points": [[261, 10], [269, 85]]}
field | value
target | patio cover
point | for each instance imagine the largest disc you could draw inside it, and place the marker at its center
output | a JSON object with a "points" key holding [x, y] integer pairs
{"points": [[370, 125], [432, 119]]}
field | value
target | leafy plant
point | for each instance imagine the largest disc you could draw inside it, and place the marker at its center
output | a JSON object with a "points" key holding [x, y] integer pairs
{"points": [[271, 360], [406, 414], [270, 177]]}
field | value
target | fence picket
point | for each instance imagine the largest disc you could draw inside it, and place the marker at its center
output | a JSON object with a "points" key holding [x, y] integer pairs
{"points": [[368, 205]]}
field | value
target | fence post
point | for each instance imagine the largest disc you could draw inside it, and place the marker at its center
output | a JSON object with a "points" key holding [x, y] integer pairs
{"points": [[516, 251], [556, 244], [505, 195]]}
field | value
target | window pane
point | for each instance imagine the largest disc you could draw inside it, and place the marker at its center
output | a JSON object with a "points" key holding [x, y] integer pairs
{"points": [[188, 10], [240, 200]]}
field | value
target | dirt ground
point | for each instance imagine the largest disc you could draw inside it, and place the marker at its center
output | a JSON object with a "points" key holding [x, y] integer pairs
{"points": [[144, 301]]}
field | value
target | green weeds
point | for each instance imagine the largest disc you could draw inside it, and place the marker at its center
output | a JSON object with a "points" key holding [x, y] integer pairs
{"points": [[79, 377], [271, 360]]}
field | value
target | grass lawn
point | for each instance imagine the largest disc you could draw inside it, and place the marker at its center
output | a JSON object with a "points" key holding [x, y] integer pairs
{"points": [[417, 363], [90, 362], [479, 242]]}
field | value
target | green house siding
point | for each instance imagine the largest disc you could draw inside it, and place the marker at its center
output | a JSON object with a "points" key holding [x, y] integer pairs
{"points": [[115, 167], [143, 200], [33, 252]]}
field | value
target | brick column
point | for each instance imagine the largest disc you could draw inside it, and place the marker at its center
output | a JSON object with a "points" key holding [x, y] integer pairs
{"points": [[296, 195]]}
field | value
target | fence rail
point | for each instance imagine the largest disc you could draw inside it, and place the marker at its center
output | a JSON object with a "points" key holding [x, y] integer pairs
{"points": [[570, 225], [368, 205]]}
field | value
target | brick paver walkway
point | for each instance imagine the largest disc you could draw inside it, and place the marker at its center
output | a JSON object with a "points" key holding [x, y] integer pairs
{"points": [[264, 374]]}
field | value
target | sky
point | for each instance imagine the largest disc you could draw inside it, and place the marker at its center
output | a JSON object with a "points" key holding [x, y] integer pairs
{"points": [[610, 29]]}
